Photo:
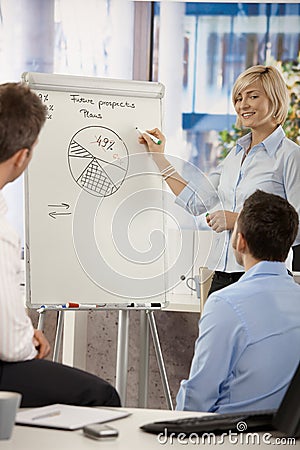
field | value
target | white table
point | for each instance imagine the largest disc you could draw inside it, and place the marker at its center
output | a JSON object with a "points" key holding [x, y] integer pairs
{"points": [[130, 436]]}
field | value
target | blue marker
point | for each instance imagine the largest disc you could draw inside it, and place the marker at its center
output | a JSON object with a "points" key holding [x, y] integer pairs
{"points": [[44, 307]]}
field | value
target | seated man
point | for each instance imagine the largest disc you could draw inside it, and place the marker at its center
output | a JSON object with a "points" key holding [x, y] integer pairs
{"points": [[249, 334], [23, 349]]}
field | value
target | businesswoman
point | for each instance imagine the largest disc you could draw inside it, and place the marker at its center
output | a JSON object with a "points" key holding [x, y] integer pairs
{"points": [[263, 159]]}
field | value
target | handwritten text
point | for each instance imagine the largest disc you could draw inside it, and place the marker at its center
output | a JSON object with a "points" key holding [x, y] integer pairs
{"points": [[113, 105], [89, 115], [76, 98]]}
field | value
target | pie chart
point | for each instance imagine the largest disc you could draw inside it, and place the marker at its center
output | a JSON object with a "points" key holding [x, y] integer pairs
{"points": [[98, 160]]}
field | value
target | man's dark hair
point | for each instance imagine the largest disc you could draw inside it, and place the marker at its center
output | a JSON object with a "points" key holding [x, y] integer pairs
{"points": [[269, 223], [22, 115]]}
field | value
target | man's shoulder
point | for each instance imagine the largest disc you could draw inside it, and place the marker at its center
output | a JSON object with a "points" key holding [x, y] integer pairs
{"points": [[226, 300], [226, 307], [254, 287], [228, 292], [239, 292]]}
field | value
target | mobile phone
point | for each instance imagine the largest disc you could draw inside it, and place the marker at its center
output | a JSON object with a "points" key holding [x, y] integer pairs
{"points": [[100, 431]]}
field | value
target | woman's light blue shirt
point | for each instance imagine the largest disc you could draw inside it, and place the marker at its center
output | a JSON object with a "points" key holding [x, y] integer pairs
{"points": [[272, 166]]}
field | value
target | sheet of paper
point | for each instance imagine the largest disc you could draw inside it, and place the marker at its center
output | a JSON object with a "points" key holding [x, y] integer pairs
{"points": [[68, 417]]}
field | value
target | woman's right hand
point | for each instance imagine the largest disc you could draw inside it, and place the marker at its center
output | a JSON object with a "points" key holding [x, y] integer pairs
{"points": [[169, 173], [151, 146]]}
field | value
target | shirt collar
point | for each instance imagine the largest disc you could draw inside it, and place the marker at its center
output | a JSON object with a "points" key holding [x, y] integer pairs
{"points": [[3, 206], [265, 268], [271, 143]]}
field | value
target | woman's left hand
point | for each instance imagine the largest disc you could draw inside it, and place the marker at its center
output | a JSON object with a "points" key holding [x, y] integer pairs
{"points": [[221, 220]]}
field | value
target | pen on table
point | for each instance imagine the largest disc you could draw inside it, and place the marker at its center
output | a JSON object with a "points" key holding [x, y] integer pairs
{"points": [[154, 138], [45, 416]]}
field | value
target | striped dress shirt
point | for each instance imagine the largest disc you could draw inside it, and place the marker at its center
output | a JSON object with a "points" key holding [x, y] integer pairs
{"points": [[16, 330]]}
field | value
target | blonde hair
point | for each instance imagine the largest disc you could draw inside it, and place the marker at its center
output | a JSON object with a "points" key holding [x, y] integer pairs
{"points": [[274, 87]]}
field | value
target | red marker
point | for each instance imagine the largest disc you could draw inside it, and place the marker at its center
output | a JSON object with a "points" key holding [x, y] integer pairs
{"points": [[83, 306]]}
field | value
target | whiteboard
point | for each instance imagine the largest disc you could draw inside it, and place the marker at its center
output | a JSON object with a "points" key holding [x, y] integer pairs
{"points": [[94, 221]]}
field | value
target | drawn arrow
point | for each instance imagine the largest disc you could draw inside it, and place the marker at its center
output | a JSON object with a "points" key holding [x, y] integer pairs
{"points": [[61, 205], [55, 213]]}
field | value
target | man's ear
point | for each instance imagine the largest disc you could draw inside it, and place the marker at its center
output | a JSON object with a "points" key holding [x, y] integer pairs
{"points": [[20, 157], [241, 244]]}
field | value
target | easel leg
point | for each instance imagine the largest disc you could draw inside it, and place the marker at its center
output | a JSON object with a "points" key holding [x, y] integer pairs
{"points": [[41, 321], [122, 355], [144, 360], [160, 359], [58, 335], [75, 339]]}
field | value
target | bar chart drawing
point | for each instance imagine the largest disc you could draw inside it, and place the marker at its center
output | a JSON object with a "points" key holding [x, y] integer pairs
{"points": [[98, 160]]}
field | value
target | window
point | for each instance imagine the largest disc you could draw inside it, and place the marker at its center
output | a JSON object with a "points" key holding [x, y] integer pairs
{"points": [[63, 36], [218, 41]]}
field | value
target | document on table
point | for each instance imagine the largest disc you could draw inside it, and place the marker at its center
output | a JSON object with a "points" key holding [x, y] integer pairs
{"points": [[68, 417]]}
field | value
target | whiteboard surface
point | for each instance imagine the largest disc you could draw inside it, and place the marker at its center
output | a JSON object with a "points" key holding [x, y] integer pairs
{"points": [[93, 196]]}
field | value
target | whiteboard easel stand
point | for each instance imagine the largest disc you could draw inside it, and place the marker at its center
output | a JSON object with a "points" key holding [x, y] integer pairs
{"points": [[144, 360], [58, 92], [160, 360], [58, 333], [72, 354], [70, 339], [122, 354], [41, 321], [146, 318]]}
